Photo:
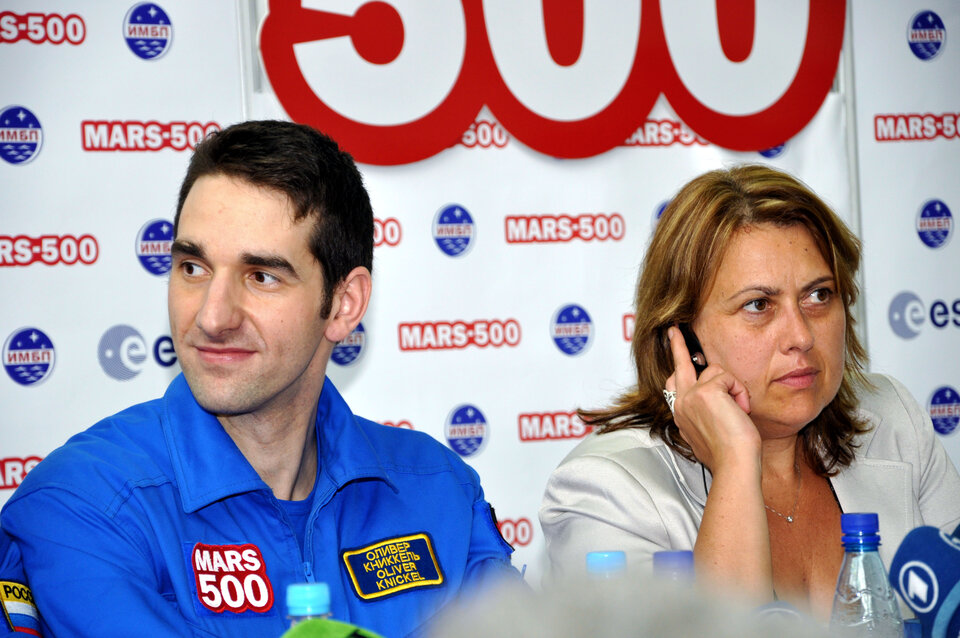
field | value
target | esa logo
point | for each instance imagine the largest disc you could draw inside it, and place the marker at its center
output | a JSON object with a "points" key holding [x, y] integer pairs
{"points": [[122, 352], [944, 408], [21, 135], [153, 246], [571, 329], [934, 223], [466, 430], [349, 350], [907, 314], [148, 31], [454, 230], [926, 35], [29, 356]]}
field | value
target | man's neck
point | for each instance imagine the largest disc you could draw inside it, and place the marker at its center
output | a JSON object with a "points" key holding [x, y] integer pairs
{"points": [[282, 448]]}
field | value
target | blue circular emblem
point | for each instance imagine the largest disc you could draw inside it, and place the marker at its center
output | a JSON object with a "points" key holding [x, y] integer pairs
{"points": [[773, 151], [21, 135], [454, 230], [121, 352], [571, 329], [926, 35], [934, 223], [658, 211], [349, 350], [148, 31], [28, 356], [906, 315], [944, 408], [918, 584], [466, 430], [153, 246]]}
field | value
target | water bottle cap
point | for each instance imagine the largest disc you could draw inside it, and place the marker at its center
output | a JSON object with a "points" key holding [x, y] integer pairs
{"points": [[606, 562], [673, 561], [308, 599], [859, 523]]}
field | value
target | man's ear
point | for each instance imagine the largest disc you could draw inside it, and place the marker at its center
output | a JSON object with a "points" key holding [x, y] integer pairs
{"points": [[350, 301]]}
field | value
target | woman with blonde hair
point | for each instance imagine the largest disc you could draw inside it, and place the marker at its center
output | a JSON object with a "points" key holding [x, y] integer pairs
{"points": [[752, 425]]}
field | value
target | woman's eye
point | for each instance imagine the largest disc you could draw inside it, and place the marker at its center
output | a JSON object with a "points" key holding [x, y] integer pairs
{"points": [[821, 295], [757, 305]]}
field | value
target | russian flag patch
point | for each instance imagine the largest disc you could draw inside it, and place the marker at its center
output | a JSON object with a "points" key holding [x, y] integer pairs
{"points": [[19, 608]]}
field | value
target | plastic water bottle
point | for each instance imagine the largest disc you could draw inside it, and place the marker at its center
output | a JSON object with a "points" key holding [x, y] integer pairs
{"points": [[676, 565], [606, 565], [864, 603], [308, 608], [307, 600]]}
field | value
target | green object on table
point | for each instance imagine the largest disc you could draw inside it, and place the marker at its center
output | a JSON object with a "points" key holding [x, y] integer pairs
{"points": [[326, 628]]}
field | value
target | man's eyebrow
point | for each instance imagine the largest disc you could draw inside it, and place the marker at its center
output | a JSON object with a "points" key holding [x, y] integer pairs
{"points": [[275, 262], [183, 248]]}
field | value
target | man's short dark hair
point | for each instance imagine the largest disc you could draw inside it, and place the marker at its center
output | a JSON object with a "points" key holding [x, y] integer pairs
{"points": [[319, 178]]}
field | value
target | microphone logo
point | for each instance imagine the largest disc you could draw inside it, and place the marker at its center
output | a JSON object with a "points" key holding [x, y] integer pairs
{"points": [[919, 586]]}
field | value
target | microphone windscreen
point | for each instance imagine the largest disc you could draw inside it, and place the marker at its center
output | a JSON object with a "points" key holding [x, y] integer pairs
{"points": [[926, 573]]}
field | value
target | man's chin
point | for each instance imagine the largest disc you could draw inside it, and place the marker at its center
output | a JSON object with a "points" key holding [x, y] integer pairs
{"points": [[220, 403]]}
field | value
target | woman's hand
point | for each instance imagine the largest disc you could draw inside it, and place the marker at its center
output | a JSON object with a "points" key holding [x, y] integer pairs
{"points": [[712, 412]]}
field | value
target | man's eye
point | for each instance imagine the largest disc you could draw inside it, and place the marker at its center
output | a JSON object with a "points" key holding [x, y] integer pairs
{"points": [[191, 269], [264, 278]]}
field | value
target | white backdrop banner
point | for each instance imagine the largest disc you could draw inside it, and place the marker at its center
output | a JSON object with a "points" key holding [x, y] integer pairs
{"points": [[517, 158]]}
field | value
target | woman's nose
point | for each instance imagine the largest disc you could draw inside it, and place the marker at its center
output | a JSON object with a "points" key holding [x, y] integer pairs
{"points": [[796, 331]]}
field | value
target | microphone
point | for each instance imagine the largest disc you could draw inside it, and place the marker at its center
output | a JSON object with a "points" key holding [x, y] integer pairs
{"points": [[926, 573]]}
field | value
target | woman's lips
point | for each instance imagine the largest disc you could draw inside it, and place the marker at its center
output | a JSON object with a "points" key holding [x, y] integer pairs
{"points": [[799, 378]]}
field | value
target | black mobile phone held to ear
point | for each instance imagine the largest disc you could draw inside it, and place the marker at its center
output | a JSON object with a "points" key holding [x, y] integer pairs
{"points": [[694, 347]]}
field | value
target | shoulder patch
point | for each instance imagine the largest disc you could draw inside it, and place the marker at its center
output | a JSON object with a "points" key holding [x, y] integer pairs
{"points": [[392, 566], [18, 608]]}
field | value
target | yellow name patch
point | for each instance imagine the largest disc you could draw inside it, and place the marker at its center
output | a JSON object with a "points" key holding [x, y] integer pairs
{"points": [[392, 566]]}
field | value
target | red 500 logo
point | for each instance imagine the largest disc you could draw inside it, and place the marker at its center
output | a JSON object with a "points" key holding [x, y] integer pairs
{"points": [[231, 577], [516, 532], [568, 78]]}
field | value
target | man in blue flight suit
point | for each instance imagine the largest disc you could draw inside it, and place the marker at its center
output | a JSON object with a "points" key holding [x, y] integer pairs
{"points": [[190, 514]]}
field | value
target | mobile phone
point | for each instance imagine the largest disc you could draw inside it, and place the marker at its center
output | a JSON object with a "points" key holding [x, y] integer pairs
{"points": [[694, 347]]}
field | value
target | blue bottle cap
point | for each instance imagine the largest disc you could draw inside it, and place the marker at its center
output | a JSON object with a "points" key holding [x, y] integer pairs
{"points": [[912, 628], [606, 562], [308, 599], [859, 523], [673, 561]]}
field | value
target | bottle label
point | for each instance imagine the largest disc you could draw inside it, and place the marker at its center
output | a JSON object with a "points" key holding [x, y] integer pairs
{"points": [[392, 566]]}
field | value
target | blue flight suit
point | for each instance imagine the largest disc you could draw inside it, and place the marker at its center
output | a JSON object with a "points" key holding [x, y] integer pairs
{"points": [[152, 523]]}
